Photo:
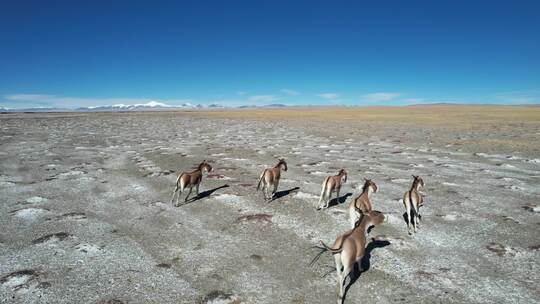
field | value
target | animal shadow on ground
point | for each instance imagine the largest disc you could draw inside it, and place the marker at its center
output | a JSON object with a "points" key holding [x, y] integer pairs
{"points": [[364, 263], [338, 200], [283, 193], [204, 194]]}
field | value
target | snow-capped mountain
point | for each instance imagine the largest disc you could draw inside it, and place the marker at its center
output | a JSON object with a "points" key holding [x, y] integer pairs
{"points": [[149, 106], [152, 105]]}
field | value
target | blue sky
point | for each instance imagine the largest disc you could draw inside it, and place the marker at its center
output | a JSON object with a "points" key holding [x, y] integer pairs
{"points": [[88, 53]]}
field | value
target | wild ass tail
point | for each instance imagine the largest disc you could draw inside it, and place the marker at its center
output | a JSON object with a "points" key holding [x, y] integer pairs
{"points": [[414, 207], [324, 248]]}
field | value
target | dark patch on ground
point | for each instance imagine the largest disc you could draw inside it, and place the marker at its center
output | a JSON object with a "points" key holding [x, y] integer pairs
{"points": [[534, 247], [509, 219], [111, 301], [259, 218], [75, 215], [44, 285], [497, 248], [60, 236], [25, 277], [16, 210], [20, 273], [256, 257], [426, 274], [219, 296], [530, 207], [163, 265]]}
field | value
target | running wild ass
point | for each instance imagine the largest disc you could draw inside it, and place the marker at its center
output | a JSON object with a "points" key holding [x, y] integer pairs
{"points": [[412, 200], [270, 177], [190, 180], [361, 204], [349, 247], [331, 184]]}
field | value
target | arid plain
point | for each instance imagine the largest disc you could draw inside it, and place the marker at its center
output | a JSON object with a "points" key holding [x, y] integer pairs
{"points": [[86, 215]]}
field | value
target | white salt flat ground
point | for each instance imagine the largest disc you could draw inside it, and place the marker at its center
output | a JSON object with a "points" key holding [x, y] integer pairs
{"points": [[86, 218]]}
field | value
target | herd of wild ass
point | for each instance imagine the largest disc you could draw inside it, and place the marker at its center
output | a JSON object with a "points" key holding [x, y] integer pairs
{"points": [[348, 248]]}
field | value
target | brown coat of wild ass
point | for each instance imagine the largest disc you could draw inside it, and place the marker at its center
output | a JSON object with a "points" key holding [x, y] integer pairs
{"points": [[190, 180], [331, 184], [270, 178], [361, 204], [412, 200], [349, 247]]}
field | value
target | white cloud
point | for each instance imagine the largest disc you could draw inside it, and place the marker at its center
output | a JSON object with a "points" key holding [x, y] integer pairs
{"points": [[290, 92], [241, 93], [26, 97], [330, 96], [380, 96], [262, 98]]}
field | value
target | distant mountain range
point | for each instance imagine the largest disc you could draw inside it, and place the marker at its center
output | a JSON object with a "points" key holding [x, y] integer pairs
{"points": [[150, 106], [158, 106]]}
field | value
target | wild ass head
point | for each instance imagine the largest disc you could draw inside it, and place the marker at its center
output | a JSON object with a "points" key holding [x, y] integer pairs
{"points": [[204, 166], [417, 182], [282, 164], [343, 175], [369, 186]]}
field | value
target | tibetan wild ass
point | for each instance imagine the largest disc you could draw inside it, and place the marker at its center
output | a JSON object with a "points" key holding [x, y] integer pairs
{"points": [[349, 248], [362, 203], [190, 180], [331, 184], [412, 200], [270, 177]]}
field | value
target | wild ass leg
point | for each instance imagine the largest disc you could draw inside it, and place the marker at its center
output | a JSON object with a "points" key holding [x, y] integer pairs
{"points": [[276, 184], [346, 271], [415, 217], [173, 194], [328, 198], [189, 193], [321, 199], [266, 194], [337, 258], [197, 189], [179, 194], [417, 220], [409, 215]]}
